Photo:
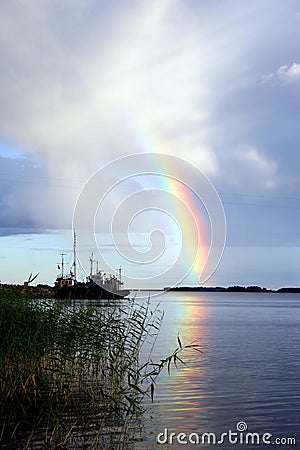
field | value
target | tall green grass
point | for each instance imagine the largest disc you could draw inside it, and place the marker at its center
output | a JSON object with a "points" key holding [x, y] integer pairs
{"points": [[74, 377]]}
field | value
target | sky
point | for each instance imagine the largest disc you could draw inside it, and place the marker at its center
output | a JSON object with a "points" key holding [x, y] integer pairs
{"points": [[214, 83]]}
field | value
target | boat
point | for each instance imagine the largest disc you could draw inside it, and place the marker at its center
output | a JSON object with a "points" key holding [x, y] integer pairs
{"points": [[98, 285]]}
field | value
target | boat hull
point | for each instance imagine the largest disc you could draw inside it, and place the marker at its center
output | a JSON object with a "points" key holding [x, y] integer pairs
{"points": [[88, 291]]}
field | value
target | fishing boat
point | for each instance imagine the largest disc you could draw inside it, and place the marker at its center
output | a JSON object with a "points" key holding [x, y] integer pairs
{"points": [[98, 285]]}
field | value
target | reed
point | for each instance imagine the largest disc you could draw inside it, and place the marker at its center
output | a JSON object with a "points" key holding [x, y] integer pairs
{"points": [[74, 377]]}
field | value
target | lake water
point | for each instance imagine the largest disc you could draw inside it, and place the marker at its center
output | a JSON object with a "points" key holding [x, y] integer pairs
{"points": [[248, 373]]}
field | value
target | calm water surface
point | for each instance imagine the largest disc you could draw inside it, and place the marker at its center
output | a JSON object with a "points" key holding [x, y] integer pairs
{"points": [[249, 370]]}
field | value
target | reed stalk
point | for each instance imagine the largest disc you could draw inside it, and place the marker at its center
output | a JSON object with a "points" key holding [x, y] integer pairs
{"points": [[73, 377]]}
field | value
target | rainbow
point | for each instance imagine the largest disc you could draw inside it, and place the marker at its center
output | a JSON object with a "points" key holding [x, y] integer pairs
{"points": [[186, 207], [197, 244], [189, 212]]}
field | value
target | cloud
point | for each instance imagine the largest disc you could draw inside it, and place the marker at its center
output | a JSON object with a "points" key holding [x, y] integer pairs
{"points": [[83, 84], [284, 75], [31, 199], [126, 83], [251, 171], [257, 163]]}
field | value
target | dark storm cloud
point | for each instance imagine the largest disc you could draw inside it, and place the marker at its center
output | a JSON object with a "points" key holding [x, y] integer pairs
{"points": [[30, 200]]}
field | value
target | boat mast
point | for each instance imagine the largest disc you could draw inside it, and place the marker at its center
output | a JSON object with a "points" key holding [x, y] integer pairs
{"points": [[74, 255], [91, 261], [62, 264]]}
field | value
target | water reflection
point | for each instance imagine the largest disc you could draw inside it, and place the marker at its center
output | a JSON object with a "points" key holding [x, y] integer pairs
{"points": [[249, 369], [180, 395]]}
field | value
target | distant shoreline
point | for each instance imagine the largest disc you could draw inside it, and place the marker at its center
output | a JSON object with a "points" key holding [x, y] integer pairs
{"points": [[46, 291], [232, 289]]}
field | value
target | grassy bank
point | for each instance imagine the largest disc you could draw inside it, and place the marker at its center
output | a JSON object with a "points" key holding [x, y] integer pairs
{"points": [[73, 377]]}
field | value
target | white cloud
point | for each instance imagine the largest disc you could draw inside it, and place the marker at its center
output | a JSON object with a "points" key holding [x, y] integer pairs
{"points": [[284, 75], [258, 161], [134, 87], [251, 170], [83, 85]]}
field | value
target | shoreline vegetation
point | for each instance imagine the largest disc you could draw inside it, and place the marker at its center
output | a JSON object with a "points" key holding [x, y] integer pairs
{"points": [[46, 291], [77, 377], [233, 289]]}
